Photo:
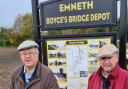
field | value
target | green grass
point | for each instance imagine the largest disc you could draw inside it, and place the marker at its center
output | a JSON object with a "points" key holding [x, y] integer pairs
{"points": [[4, 43]]}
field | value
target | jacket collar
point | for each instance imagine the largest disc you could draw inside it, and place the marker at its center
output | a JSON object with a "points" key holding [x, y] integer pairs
{"points": [[113, 74], [35, 75], [36, 72]]}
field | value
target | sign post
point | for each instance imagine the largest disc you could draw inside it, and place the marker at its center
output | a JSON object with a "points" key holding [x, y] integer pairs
{"points": [[123, 34], [36, 23]]}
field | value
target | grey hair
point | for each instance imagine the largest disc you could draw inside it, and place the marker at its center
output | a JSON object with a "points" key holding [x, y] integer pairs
{"points": [[37, 50]]}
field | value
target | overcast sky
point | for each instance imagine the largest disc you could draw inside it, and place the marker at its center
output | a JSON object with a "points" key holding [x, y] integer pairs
{"points": [[10, 9]]}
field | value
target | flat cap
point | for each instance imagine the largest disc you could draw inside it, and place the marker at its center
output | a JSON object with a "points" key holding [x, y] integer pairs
{"points": [[107, 50], [27, 44]]}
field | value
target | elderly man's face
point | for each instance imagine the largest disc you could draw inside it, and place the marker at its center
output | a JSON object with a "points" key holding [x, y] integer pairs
{"points": [[108, 63], [29, 57]]}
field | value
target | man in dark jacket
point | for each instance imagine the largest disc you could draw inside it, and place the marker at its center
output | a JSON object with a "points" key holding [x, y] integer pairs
{"points": [[109, 75], [32, 74]]}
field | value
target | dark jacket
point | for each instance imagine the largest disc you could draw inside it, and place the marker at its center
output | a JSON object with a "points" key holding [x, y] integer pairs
{"points": [[42, 78], [118, 79]]}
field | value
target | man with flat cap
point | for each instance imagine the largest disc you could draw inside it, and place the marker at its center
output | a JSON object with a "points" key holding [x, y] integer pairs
{"points": [[32, 74], [109, 74]]}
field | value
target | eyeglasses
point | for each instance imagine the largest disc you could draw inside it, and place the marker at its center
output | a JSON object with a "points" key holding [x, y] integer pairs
{"points": [[27, 53], [104, 58]]}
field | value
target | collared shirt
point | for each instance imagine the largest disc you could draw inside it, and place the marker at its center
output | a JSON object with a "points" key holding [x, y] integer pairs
{"points": [[28, 75]]}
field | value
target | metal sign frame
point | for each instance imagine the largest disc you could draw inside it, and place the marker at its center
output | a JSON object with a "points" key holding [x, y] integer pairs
{"points": [[122, 33]]}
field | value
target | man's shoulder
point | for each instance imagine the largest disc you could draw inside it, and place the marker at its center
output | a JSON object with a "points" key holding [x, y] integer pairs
{"points": [[123, 72], [16, 71], [17, 68], [94, 80], [95, 74]]}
